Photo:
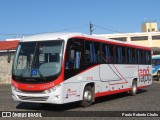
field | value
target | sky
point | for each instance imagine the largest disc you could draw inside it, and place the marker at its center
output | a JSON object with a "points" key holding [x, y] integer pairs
{"points": [[38, 16]]}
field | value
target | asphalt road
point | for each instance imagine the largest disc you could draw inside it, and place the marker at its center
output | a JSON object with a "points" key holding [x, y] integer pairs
{"points": [[147, 99]]}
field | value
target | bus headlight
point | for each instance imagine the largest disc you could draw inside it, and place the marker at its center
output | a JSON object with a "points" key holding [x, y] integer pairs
{"points": [[15, 89], [52, 89]]}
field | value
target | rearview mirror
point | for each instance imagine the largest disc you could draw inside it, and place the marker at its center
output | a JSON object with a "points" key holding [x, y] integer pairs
{"points": [[8, 56]]}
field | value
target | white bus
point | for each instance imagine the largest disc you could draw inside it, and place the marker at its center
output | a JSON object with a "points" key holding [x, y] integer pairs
{"points": [[156, 65], [61, 68]]}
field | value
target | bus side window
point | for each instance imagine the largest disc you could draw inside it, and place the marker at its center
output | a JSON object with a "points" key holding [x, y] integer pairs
{"points": [[134, 61], [119, 55], [138, 57], [96, 52], [123, 55], [92, 52], [106, 54], [112, 53], [147, 57], [142, 57], [129, 56], [74, 54], [158, 61], [153, 62], [88, 52]]}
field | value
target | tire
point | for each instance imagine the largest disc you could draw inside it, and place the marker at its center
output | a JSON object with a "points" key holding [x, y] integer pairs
{"points": [[45, 105], [158, 74], [134, 88], [87, 97]]}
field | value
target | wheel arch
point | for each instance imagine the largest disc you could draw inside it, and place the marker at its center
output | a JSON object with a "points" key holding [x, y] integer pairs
{"points": [[92, 84], [136, 80]]}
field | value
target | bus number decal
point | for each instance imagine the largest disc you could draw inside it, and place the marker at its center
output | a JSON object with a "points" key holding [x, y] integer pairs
{"points": [[144, 75], [89, 78]]}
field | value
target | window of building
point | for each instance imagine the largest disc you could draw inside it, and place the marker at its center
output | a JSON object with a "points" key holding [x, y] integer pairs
{"points": [[139, 38], [120, 39], [153, 30], [157, 37]]}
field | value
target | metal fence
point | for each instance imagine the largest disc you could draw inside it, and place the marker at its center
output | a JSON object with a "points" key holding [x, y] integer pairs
{"points": [[5, 68]]}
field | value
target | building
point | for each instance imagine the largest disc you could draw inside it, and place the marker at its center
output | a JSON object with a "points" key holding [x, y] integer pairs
{"points": [[5, 67], [150, 36], [149, 27]]}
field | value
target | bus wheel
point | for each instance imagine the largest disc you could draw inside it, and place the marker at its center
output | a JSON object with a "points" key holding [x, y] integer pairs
{"points": [[87, 97], [134, 88], [158, 73]]}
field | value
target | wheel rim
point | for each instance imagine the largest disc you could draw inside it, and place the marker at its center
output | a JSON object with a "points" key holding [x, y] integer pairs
{"points": [[88, 96], [158, 74], [134, 89]]}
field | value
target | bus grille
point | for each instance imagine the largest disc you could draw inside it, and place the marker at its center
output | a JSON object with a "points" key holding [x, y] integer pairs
{"points": [[33, 98]]}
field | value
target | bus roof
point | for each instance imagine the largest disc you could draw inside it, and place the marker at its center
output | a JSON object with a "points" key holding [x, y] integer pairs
{"points": [[66, 36], [50, 36], [155, 56]]}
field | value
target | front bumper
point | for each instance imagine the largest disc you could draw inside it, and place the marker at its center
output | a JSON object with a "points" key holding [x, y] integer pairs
{"points": [[53, 97]]}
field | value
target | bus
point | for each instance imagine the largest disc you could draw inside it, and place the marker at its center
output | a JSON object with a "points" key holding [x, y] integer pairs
{"points": [[156, 65], [59, 68]]}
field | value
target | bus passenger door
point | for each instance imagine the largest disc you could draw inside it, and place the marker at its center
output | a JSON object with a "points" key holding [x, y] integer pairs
{"points": [[73, 61]]}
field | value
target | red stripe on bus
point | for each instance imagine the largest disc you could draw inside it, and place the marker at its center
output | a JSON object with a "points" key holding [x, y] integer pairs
{"points": [[100, 94], [143, 86], [111, 92], [121, 76], [39, 87], [88, 68], [117, 83], [113, 42]]}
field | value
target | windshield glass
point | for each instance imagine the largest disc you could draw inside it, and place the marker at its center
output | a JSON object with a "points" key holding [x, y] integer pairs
{"points": [[38, 59]]}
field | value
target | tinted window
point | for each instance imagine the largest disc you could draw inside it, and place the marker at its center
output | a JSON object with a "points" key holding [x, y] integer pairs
{"points": [[107, 53]]}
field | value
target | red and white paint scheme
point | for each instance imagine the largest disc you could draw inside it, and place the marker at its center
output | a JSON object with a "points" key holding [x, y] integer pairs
{"points": [[60, 68]]}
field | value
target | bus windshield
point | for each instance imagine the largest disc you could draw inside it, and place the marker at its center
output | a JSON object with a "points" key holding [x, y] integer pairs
{"points": [[38, 59], [156, 62]]}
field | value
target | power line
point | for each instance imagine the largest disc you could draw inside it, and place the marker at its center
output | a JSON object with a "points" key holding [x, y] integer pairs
{"points": [[116, 31], [79, 27], [24, 34], [107, 29], [12, 34], [91, 28]]}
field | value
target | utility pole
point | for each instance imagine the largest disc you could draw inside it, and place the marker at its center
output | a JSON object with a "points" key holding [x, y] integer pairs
{"points": [[91, 28]]}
